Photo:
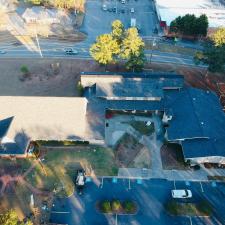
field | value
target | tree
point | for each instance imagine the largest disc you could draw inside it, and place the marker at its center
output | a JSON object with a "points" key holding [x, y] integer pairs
{"points": [[120, 44], [219, 37], [117, 31], [190, 25], [11, 218], [105, 50], [213, 53], [132, 50]]}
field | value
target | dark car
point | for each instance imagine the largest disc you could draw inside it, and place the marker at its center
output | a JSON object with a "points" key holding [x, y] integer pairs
{"points": [[80, 180], [70, 51]]}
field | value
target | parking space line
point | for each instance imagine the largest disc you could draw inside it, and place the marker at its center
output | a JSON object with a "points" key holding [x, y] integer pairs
{"points": [[58, 212], [201, 186], [174, 184], [129, 184], [190, 220], [101, 185]]}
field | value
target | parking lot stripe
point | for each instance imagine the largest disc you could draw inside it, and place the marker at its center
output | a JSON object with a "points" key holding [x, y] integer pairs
{"points": [[201, 186], [190, 220], [58, 212], [101, 185], [174, 184], [129, 185]]}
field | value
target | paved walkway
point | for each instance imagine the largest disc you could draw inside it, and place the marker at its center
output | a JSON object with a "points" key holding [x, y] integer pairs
{"points": [[154, 144]]}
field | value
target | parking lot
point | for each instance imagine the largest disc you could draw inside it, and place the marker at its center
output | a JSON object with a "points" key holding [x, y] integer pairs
{"points": [[150, 195], [100, 14]]}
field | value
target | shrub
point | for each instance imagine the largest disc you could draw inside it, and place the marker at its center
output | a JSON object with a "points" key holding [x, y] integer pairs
{"points": [[116, 205], [106, 206], [61, 143], [129, 206], [24, 69], [80, 89]]}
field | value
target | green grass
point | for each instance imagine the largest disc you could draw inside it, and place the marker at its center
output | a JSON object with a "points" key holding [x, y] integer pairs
{"points": [[221, 178], [60, 165], [142, 128], [54, 143], [202, 208], [170, 48]]}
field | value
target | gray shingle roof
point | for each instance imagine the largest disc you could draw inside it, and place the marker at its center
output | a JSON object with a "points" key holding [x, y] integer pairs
{"points": [[4, 126]]}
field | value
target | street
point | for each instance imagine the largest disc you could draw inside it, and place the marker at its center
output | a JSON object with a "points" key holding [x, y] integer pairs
{"points": [[150, 195]]}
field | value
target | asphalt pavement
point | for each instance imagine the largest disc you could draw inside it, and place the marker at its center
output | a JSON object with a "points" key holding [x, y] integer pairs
{"points": [[150, 196]]}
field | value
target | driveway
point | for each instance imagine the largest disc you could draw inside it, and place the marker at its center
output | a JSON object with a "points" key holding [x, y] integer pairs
{"points": [[97, 21], [150, 196]]}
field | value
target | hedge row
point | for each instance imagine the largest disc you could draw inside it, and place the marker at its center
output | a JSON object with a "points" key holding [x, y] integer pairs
{"points": [[61, 143]]}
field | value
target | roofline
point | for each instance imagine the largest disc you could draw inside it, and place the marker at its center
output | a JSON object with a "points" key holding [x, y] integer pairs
{"points": [[132, 75]]}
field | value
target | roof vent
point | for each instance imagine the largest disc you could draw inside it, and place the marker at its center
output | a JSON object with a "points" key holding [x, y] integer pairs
{"points": [[202, 123]]}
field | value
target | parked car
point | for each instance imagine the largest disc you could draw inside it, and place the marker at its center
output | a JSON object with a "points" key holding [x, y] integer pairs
{"points": [[70, 51], [181, 193], [104, 7], [80, 180], [123, 1], [2, 52], [114, 9], [132, 10]]}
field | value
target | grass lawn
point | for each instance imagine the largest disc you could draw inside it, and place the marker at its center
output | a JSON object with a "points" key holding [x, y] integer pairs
{"points": [[142, 128], [59, 167], [170, 48], [189, 209]]}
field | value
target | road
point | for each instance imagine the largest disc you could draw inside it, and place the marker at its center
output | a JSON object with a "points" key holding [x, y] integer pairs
{"points": [[54, 49], [150, 195]]}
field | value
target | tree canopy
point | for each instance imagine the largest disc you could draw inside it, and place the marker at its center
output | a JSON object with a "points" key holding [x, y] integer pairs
{"points": [[219, 37], [11, 218], [190, 25], [213, 53], [105, 49], [120, 44]]}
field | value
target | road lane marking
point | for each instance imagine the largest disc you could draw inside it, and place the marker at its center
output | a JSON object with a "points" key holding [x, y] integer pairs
{"points": [[101, 185], [58, 212]]}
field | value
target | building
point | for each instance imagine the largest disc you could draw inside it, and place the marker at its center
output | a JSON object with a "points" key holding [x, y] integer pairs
{"points": [[41, 15], [26, 119], [215, 10], [7, 5], [187, 117]]}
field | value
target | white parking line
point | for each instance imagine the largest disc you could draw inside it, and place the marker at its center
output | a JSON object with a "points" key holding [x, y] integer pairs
{"points": [[101, 185], [190, 220], [58, 212], [129, 185], [174, 183], [201, 186]]}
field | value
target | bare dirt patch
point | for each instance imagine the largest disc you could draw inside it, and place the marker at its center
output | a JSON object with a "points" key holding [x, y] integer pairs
{"points": [[130, 153], [172, 157]]}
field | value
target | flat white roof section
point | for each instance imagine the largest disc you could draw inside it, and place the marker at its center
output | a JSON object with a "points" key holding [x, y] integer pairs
{"points": [[170, 9], [47, 118]]}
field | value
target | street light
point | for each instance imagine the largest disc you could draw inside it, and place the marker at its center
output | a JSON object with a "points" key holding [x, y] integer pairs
{"points": [[153, 45]]}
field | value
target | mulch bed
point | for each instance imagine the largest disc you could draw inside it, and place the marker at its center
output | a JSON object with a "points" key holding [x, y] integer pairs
{"points": [[127, 149]]}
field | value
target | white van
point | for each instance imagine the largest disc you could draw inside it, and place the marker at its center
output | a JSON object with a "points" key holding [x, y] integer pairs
{"points": [[181, 193]]}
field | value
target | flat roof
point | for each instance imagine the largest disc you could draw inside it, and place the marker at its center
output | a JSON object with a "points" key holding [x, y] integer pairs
{"points": [[215, 10], [47, 118]]}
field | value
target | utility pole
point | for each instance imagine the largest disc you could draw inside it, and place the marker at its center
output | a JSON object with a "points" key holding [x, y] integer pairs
{"points": [[38, 45], [153, 44]]}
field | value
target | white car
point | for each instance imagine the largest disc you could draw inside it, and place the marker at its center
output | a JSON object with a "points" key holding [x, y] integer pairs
{"points": [[123, 1], [132, 10], [181, 193], [104, 7]]}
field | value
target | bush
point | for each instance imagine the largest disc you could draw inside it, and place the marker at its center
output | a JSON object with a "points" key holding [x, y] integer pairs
{"points": [[129, 206], [24, 69], [80, 89], [106, 206], [61, 143], [116, 205]]}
